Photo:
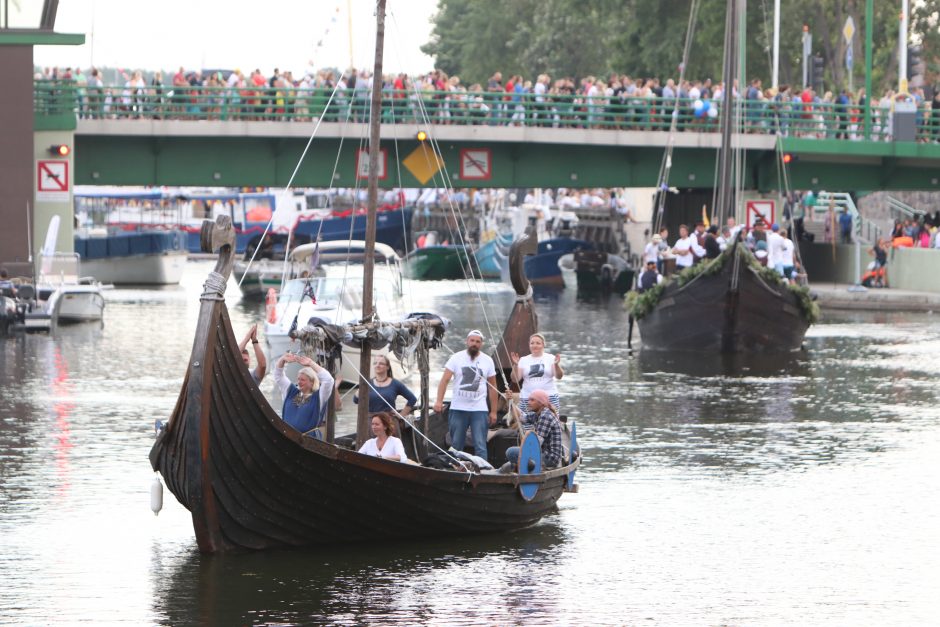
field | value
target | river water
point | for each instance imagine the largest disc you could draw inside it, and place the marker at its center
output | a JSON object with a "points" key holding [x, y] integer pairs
{"points": [[791, 492]]}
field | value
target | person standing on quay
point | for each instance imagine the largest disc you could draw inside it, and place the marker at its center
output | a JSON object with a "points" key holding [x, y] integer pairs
{"points": [[537, 371], [474, 374]]}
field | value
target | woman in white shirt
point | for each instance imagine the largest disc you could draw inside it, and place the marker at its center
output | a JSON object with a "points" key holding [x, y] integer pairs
{"points": [[537, 371], [384, 444]]}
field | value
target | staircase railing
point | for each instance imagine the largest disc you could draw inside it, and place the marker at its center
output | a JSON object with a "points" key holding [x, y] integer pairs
{"points": [[865, 229], [901, 210], [843, 200]]}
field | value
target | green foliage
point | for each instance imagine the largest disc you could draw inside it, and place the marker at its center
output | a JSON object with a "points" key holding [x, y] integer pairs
{"points": [[705, 268], [576, 38], [639, 304], [803, 297], [807, 304]]}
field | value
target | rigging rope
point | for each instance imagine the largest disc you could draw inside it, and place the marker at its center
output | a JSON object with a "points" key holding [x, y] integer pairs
{"points": [[411, 423], [465, 262], [289, 183]]}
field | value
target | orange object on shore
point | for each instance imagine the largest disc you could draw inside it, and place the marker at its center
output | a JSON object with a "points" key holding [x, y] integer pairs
{"points": [[903, 242]]}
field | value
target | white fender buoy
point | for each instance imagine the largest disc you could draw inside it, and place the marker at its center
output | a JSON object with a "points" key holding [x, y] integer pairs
{"points": [[156, 495]]}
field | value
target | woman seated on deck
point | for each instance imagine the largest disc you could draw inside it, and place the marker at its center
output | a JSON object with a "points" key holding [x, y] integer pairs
{"points": [[385, 390], [384, 444], [304, 403]]}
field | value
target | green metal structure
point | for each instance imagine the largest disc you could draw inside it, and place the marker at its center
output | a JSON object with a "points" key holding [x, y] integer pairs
{"points": [[255, 137]]}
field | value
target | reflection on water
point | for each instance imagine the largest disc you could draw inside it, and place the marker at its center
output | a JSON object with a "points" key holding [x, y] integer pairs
{"points": [[790, 490], [380, 583]]}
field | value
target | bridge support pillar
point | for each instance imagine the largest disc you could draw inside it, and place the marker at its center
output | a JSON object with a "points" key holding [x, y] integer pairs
{"points": [[53, 190], [16, 166]]}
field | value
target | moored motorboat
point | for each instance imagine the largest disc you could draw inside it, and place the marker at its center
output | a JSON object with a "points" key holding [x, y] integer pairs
{"points": [[440, 262], [492, 257], [330, 289], [543, 268], [600, 272], [65, 294], [150, 257]]}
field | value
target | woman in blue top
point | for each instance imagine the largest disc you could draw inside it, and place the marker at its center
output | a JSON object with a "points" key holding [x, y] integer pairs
{"points": [[304, 403], [386, 389]]}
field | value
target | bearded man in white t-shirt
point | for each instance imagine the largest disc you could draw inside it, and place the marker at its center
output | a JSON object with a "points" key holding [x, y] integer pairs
{"points": [[474, 375]]}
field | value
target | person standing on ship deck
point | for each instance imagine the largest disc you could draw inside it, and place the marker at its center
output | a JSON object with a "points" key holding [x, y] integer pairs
{"points": [[537, 371], [649, 278], [474, 375], [386, 389], [686, 249], [304, 403]]}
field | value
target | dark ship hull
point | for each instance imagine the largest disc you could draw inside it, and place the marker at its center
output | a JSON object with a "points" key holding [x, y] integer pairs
{"points": [[731, 311]]}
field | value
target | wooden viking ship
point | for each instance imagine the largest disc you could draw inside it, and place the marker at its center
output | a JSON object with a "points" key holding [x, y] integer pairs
{"points": [[251, 481], [736, 309]]}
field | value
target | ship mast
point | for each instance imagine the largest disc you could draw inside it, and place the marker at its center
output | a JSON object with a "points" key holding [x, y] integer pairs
{"points": [[375, 116], [726, 201]]}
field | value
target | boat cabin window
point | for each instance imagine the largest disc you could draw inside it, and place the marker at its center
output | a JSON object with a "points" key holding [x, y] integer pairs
{"points": [[60, 267], [332, 291], [318, 201]]}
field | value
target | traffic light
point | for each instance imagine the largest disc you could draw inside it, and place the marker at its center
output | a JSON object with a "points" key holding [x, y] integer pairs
{"points": [[819, 69], [914, 61], [60, 150]]}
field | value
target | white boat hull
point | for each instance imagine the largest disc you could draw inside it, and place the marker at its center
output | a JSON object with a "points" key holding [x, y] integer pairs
{"points": [[158, 269], [76, 303]]}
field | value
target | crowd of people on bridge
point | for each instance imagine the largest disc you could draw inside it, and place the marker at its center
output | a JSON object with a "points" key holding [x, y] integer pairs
{"points": [[616, 101]]}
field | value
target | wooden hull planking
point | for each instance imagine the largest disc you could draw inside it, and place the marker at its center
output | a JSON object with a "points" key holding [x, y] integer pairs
{"points": [[706, 315]]}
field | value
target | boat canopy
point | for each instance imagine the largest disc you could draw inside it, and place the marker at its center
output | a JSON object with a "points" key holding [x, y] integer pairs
{"points": [[118, 193], [341, 249]]}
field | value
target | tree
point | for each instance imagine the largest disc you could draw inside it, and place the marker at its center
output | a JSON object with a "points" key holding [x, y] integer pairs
{"points": [[645, 38]]}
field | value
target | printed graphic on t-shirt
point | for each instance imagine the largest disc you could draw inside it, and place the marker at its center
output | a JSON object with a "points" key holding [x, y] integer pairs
{"points": [[537, 371], [470, 377]]}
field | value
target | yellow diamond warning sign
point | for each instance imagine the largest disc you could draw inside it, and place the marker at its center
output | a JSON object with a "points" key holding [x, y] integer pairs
{"points": [[423, 163]]}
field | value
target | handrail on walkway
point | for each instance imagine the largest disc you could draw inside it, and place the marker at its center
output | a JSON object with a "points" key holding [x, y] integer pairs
{"points": [[786, 117], [901, 208]]}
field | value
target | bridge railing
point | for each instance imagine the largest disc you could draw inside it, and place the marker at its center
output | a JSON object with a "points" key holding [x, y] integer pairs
{"points": [[820, 120]]}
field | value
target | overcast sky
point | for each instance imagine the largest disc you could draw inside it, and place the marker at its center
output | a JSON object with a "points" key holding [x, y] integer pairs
{"points": [[229, 34]]}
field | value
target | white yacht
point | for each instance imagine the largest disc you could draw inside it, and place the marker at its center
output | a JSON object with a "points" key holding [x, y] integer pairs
{"points": [[330, 288], [66, 295]]}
